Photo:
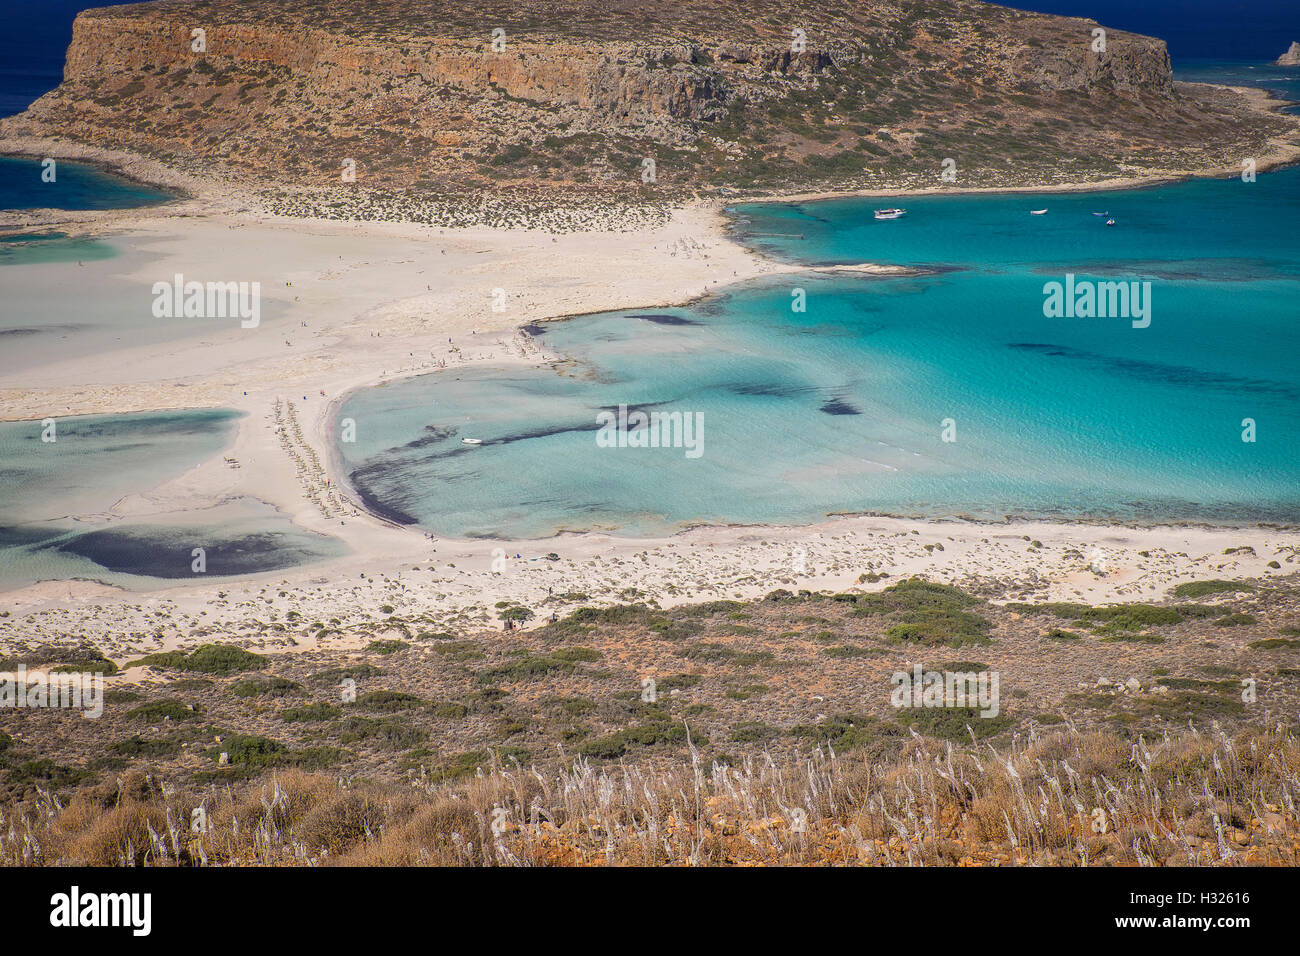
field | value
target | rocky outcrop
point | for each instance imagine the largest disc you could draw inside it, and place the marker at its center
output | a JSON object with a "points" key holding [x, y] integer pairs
{"points": [[1139, 64], [627, 81], [1291, 57], [413, 94]]}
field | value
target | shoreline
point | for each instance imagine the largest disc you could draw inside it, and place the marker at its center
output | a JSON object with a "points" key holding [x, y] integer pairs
{"points": [[443, 584], [226, 195], [1282, 154], [399, 538], [368, 336]]}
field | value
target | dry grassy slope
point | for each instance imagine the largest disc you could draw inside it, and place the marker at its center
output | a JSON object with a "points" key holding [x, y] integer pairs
{"points": [[1070, 799], [781, 675], [787, 704], [585, 91]]}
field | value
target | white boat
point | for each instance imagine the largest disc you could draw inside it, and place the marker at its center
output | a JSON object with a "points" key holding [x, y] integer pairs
{"points": [[1110, 222], [890, 213], [1101, 214], [1038, 212], [471, 441]]}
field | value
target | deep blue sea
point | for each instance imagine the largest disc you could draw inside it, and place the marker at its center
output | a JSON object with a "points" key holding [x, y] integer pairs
{"points": [[33, 40], [1253, 32], [945, 394], [74, 186]]}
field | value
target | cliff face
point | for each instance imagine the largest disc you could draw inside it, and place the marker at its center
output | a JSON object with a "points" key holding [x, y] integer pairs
{"points": [[721, 92], [628, 81], [1291, 57], [625, 82]]}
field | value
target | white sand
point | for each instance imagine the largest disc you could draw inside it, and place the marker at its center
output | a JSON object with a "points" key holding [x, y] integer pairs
{"points": [[381, 302]]}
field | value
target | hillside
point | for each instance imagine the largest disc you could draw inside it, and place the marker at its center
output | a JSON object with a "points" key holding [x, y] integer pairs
{"points": [[768, 736], [583, 93], [778, 675]]}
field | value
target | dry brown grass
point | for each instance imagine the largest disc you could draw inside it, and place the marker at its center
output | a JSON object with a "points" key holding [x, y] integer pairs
{"points": [[1072, 798]]}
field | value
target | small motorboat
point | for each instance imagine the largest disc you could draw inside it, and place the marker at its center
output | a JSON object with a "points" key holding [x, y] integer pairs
{"points": [[1110, 222], [1038, 212], [1101, 214], [890, 213], [471, 441]]}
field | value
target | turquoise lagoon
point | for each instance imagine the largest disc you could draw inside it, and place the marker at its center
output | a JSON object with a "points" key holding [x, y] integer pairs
{"points": [[54, 496], [844, 407]]}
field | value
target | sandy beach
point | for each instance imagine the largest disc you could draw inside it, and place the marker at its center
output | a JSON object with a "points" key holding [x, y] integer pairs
{"points": [[440, 435], [357, 305]]}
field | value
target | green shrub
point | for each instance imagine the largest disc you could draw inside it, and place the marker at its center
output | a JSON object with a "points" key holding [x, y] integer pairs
{"points": [[677, 682], [137, 747], [952, 723], [1065, 609], [250, 750], [848, 731], [1195, 589], [1233, 620], [751, 732], [713, 653], [936, 626], [449, 710], [389, 701], [265, 686], [1130, 617], [157, 710], [1273, 643], [574, 706], [207, 659], [97, 665], [387, 731], [849, 651], [644, 735], [310, 713], [530, 666]]}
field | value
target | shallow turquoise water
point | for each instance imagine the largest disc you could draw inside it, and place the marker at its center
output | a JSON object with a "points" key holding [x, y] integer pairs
{"points": [[36, 248], [54, 496], [842, 407]]}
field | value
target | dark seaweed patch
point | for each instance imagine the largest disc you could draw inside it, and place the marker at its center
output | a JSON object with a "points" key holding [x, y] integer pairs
{"points": [[166, 552], [1159, 372], [372, 504], [658, 319], [837, 406]]}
